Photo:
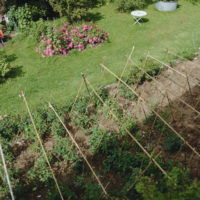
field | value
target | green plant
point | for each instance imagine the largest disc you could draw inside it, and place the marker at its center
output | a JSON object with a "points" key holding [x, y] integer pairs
{"points": [[5, 66], [127, 5], [180, 186], [172, 143], [126, 93], [92, 191], [95, 137], [24, 16], [74, 10]]}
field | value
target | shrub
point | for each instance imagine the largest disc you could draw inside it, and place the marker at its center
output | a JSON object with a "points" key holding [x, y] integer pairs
{"points": [[22, 16], [172, 143], [5, 66], [179, 187], [73, 9], [128, 5], [56, 41]]}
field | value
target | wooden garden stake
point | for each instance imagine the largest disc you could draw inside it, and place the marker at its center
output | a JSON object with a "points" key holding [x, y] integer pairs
{"points": [[182, 101], [142, 173], [170, 105], [152, 110], [86, 84], [41, 145], [128, 132], [141, 104], [76, 98], [82, 154]]}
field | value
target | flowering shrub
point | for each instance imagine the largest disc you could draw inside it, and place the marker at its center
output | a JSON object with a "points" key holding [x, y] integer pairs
{"points": [[55, 41]]}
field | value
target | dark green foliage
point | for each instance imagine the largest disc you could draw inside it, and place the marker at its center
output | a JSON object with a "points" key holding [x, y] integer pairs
{"points": [[21, 14], [66, 191], [96, 136], [9, 127], [81, 105], [126, 93], [73, 9], [179, 187], [103, 93], [137, 76], [128, 5], [92, 191], [172, 143], [119, 161]]}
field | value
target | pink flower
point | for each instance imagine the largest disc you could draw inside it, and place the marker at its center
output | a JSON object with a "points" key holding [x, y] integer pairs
{"points": [[71, 45], [43, 56], [37, 49], [64, 52], [64, 29], [46, 51], [49, 41], [43, 41], [65, 24]]}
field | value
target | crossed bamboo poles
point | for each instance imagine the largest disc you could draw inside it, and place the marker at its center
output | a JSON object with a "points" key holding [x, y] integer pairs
{"points": [[87, 83]]}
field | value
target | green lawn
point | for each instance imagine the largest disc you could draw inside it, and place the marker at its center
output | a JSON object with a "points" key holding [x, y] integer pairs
{"points": [[57, 79]]}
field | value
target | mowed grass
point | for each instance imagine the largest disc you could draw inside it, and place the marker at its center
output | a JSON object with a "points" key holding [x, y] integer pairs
{"points": [[57, 79]]}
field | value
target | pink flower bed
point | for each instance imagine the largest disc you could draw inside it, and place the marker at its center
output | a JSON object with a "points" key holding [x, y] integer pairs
{"points": [[63, 41]]}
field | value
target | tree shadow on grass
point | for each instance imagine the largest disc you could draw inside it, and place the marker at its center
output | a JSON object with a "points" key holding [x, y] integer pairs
{"points": [[93, 17], [13, 73], [11, 57]]}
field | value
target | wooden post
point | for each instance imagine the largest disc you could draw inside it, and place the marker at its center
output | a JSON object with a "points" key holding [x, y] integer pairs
{"points": [[42, 147], [86, 84], [78, 147]]}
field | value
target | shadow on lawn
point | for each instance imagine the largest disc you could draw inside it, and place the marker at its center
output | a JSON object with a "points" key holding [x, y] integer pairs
{"points": [[93, 17], [144, 20], [13, 73]]}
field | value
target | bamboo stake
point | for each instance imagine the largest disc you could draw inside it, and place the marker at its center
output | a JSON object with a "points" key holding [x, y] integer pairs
{"points": [[188, 105], [152, 110], [184, 59], [76, 144], [86, 84], [127, 62], [170, 105], [6, 172], [128, 132], [182, 74], [77, 96], [42, 147], [188, 84]]}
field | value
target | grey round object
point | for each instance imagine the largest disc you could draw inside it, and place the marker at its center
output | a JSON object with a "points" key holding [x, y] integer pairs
{"points": [[166, 6]]}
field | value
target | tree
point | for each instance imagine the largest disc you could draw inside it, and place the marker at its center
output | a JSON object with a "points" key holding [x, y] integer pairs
{"points": [[2, 6], [73, 9]]}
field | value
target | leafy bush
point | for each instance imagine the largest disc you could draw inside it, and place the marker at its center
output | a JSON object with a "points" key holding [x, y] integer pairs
{"points": [[73, 9], [56, 41], [92, 191], [126, 93], [22, 16], [5, 66], [128, 5], [172, 143], [137, 76], [179, 187]]}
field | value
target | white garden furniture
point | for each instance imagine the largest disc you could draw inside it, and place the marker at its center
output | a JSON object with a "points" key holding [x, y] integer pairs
{"points": [[137, 15]]}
